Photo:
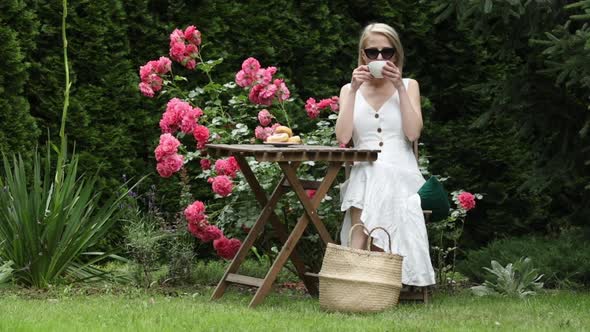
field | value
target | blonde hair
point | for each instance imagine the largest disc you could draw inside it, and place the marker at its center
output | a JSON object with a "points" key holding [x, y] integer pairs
{"points": [[390, 34]]}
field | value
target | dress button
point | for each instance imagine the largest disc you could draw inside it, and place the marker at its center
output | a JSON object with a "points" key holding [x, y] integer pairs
{"points": [[378, 130], [380, 143], [376, 116]]}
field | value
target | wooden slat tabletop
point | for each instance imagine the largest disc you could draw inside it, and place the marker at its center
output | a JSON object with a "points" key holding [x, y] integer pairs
{"points": [[266, 152]]}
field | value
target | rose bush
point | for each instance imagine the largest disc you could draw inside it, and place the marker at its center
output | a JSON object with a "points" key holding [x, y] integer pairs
{"points": [[244, 111]]}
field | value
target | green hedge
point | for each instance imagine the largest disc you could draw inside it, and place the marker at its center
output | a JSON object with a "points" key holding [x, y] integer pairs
{"points": [[563, 259]]}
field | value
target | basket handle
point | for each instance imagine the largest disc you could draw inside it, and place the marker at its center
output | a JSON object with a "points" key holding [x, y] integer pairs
{"points": [[370, 241], [352, 228]]}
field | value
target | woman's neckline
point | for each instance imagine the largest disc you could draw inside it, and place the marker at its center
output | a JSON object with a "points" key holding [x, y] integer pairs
{"points": [[380, 107]]}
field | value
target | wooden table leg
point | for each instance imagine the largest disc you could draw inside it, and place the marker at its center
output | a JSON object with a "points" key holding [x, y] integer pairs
{"points": [[279, 228], [299, 228], [250, 238], [291, 175]]}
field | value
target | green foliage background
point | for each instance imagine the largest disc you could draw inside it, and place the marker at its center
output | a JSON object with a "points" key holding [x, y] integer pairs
{"points": [[505, 87]]}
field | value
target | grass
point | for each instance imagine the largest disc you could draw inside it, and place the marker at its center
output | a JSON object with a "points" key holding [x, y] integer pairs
{"points": [[116, 308]]}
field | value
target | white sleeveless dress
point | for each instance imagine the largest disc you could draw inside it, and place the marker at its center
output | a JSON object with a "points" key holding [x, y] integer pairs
{"points": [[386, 189]]}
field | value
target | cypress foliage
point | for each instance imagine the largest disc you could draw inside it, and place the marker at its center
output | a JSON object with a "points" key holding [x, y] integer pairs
{"points": [[18, 129]]}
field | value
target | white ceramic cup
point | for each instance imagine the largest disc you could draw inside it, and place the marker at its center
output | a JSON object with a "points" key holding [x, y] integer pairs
{"points": [[376, 68]]}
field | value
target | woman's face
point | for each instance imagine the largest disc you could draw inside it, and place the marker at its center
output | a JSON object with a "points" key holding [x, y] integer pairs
{"points": [[378, 42]]}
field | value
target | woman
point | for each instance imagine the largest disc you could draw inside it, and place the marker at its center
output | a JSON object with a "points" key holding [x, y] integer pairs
{"points": [[385, 114]]}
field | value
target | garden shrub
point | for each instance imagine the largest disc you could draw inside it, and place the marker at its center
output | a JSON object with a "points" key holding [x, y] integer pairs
{"points": [[563, 259]]}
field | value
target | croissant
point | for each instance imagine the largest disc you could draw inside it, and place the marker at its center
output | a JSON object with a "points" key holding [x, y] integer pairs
{"points": [[283, 129], [278, 138]]}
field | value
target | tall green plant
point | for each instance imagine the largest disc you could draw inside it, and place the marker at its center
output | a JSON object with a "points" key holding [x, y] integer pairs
{"points": [[48, 225]]}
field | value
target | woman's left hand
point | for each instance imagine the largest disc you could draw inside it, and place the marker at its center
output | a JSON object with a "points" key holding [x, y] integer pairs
{"points": [[393, 73]]}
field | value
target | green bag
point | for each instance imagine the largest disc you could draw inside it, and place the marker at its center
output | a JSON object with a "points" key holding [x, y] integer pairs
{"points": [[434, 197]]}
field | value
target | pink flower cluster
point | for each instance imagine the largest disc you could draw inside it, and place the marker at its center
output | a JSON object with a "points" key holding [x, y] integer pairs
{"points": [[313, 108], [200, 228], [201, 135], [227, 167], [221, 185], [180, 115], [205, 164], [169, 161], [263, 132], [227, 248], [184, 46], [263, 88], [264, 117], [466, 200], [151, 75]]}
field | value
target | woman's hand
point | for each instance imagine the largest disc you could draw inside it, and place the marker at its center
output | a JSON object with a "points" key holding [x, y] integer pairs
{"points": [[393, 73], [359, 76]]}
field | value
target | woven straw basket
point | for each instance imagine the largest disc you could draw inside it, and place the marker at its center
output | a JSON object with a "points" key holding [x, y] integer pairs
{"points": [[356, 280]]}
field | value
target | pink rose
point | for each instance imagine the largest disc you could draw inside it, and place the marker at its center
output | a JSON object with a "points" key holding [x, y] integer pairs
{"points": [[195, 212], [192, 35], [208, 233], [205, 164], [222, 185], [262, 133], [324, 103], [201, 135], [177, 36], [191, 64], [146, 89], [268, 92], [170, 165], [254, 95], [227, 248], [335, 105], [173, 116], [466, 200], [163, 65], [243, 79], [189, 120], [250, 66], [310, 193], [177, 51], [264, 117], [195, 227], [312, 109], [263, 76], [145, 71], [169, 144], [282, 92]]}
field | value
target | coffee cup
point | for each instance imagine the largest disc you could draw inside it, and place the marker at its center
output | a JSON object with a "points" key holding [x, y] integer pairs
{"points": [[376, 68]]}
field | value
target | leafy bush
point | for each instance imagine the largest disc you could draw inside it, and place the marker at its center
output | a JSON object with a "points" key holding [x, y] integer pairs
{"points": [[520, 280], [144, 240], [564, 259]]}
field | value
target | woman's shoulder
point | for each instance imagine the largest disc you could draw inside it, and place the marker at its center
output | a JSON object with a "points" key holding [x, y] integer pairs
{"points": [[410, 80], [345, 87]]}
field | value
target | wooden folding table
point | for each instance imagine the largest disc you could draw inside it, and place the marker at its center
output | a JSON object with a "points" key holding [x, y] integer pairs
{"points": [[289, 159]]}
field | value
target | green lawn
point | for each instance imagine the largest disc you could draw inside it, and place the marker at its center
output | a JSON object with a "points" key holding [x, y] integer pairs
{"points": [[112, 309]]}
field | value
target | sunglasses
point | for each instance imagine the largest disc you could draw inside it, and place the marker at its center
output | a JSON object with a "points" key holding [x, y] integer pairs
{"points": [[372, 53]]}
